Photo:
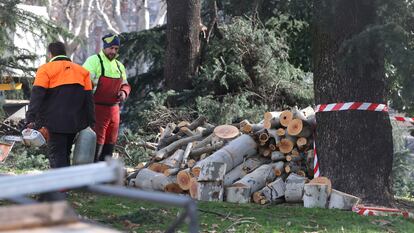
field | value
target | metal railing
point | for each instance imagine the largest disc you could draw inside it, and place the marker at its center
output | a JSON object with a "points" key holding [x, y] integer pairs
{"points": [[94, 178]]}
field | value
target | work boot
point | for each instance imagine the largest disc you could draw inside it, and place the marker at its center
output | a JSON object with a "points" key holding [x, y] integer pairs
{"points": [[107, 150], [98, 152]]}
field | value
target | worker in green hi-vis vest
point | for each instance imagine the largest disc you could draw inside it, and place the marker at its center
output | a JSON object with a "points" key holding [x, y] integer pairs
{"points": [[110, 89]]}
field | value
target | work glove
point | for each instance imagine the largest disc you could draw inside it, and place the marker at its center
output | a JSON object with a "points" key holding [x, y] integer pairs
{"points": [[122, 96]]}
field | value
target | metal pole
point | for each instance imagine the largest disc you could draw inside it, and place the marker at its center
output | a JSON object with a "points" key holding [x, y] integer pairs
{"points": [[61, 178], [158, 197]]}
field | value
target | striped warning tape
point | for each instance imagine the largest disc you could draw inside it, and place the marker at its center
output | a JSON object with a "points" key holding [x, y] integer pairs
{"points": [[364, 106], [379, 211]]}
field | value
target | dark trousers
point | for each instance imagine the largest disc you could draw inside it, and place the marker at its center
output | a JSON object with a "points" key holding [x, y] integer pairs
{"points": [[60, 146]]}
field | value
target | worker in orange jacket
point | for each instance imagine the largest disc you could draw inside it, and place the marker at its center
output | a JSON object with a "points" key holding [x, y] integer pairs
{"points": [[61, 100], [111, 88]]}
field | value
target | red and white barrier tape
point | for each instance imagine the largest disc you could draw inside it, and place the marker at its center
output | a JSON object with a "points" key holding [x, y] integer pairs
{"points": [[378, 211], [352, 106]]}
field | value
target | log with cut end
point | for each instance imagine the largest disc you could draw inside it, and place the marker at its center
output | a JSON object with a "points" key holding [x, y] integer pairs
{"points": [[232, 154], [271, 124], [252, 181], [247, 128], [285, 146], [183, 179], [212, 171], [294, 188], [173, 161], [242, 169], [299, 128], [285, 118], [322, 180], [278, 168], [281, 132], [315, 196], [343, 201], [226, 132], [271, 193], [302, 143], [149, 180]]}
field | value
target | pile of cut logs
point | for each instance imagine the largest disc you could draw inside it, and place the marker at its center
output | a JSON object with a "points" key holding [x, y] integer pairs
{"points": [[266, 162]]}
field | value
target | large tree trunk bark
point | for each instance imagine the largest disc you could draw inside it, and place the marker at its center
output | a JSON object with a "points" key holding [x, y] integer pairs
{"points": [[346, 71], [183, 27]]}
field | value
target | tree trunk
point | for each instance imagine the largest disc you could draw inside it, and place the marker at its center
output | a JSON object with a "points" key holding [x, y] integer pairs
{"points": [[346, 71], [183, 27]]}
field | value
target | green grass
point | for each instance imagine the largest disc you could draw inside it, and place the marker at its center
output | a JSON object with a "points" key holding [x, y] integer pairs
{"points": [[137, 216]]}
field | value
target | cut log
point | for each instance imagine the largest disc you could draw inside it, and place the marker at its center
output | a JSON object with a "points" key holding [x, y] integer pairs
{"points": [[183, 179], [343, 201], [247, 128], [294, 188], [196, 123], [299, 128], [186, 154], [167, 131], [171, 171], [322, 180], [271, 115], [187, 131], [238, 194], [253, 181], [149, 180], [199, 130], [173, 188], [285, 118], [173, 161], [226, 132], [302, 142], [232, 154], [265, 151], [196, 153], [272, 144], [206, 141], [193, 187], [278, 168], [158, 167], [209, 191], [285, 146], [191, 163], [168, 150], [212, 171], [242, 169], [277, 156], [271, 124], [281, 132], [271, 193], [315, 196]]}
